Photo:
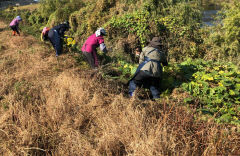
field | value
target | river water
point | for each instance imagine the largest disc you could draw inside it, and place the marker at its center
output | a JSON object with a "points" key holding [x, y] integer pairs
{"points": [[210, 12]]}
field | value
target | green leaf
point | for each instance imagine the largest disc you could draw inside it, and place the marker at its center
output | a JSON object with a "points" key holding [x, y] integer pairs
{"points": [[187, 100], [231, 92], [225, 118], [227, 84], [237, 86]]}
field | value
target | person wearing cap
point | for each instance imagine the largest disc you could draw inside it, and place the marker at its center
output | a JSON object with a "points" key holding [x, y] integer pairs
{"points": [[149, 71], [90, 46], [56, 34], [14, 25]]}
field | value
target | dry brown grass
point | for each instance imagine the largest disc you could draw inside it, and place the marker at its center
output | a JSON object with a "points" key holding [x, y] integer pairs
{"points": [[30, 7], [51, 107]]}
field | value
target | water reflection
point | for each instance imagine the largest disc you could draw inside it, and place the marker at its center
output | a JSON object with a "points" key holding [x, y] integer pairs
{"points": [[210, 11]]}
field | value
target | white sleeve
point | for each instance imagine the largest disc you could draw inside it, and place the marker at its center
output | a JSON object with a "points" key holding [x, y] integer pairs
{"points": [[103, 47]]}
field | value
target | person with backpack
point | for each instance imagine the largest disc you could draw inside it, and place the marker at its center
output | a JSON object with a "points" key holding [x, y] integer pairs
{"points": [[14, 25], [149, 71], [89, 48], [56, 34]]}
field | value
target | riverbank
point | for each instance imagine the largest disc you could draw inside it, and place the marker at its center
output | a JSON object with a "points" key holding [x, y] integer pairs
{"points": [[52, 106], [16, 3]]}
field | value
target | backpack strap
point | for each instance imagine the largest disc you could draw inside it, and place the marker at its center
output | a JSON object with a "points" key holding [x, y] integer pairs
{"points": [[151, 51]]}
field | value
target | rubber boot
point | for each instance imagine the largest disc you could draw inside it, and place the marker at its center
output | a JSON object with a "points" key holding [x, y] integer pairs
{"points": [[14, 33]]}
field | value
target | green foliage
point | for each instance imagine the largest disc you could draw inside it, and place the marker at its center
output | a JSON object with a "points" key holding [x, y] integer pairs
{"points": [[216, 84], [136, 23], [62, 11], [223, 40], [126, 68], [182, 24], [178, 24], [120, 70], [92, 15], [232, 23], [128, 22]]}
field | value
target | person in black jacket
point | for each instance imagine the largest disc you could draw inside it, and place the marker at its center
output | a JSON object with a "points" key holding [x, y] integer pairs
{"points": [[56, 34]]}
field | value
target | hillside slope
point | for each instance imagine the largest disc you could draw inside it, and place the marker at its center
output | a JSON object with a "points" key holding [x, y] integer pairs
{"points": [[32, 79], [50, 106]]}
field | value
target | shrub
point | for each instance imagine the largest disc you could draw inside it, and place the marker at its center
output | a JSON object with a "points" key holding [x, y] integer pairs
{"points": [[223, 41]]}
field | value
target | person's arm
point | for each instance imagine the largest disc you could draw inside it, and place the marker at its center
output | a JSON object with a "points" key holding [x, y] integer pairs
{"points": [[17, 25], [61, 28], [164, 60], [141, 59], [103, 47]]}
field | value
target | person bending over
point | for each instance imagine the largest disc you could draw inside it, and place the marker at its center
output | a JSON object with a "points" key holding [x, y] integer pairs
{"points": [[90, 46], [56, 34], [14, 25], [149, 71]]}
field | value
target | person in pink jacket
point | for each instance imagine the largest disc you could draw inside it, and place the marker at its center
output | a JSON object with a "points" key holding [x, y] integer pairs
{"points": [[14, 25], [90, 46]]}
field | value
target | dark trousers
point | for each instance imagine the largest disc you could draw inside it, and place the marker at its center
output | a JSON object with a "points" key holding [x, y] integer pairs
{"points": [[55, 39], [15, 28], [90, 59], [144, 80]]}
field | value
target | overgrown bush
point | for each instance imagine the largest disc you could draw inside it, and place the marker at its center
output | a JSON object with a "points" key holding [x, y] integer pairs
{"points": [[177, 24], [223, 40]]}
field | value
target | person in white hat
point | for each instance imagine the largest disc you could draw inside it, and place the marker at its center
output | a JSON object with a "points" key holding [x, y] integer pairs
{"points": [[90, 46]]}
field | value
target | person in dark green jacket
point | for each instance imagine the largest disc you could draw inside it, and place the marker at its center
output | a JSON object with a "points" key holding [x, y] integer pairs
{"points": [[149, 71]]}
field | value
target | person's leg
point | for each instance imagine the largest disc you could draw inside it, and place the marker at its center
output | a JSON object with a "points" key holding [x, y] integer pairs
{"points": [[51, 37], [148, 82], [17, 31], [55, 40], [132, 88], [14, 33], [58, 46], [154, 87], [13, 30], [90, 59], [94, 55], [141, 78], [138, 80]]}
